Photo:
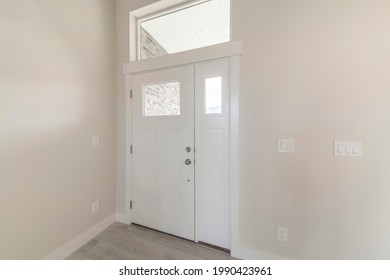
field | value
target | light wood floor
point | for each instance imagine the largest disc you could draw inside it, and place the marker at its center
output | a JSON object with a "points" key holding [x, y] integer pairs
{"points": [[124, 242]]}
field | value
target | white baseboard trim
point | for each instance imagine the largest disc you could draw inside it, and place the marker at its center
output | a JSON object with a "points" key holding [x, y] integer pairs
{"points": [[245, 253], [122, 218], [64, 251]]}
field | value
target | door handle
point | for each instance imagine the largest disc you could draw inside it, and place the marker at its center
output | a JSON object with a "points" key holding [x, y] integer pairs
{"points": [[188, 161]]}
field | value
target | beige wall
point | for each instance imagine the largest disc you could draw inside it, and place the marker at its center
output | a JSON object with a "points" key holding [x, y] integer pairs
{"points": [[57, 90], [315, 71]]}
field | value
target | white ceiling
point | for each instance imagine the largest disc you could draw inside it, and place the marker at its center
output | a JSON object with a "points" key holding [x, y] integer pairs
{"points": [[198, 26]]}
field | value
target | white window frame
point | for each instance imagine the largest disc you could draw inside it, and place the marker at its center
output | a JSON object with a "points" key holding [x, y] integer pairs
{"points": [[155, 10]]}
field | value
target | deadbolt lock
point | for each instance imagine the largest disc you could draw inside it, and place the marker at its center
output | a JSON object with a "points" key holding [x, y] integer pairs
{"points": [[188, 149]]}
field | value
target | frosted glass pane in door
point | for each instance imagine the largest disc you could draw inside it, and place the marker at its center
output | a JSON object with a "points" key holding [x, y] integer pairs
{"points": [[161, 99], [213, 96]]}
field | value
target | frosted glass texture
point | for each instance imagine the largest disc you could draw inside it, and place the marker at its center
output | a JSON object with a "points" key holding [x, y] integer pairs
{"points": [[162, 99], [213, 95]]}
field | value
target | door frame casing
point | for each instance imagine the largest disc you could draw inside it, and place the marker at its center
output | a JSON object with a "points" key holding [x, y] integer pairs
{"points": [[231, 50]]}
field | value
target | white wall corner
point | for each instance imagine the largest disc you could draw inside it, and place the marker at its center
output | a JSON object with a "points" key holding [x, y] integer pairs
{"points": [[245, 253], [73, 245], [122, 218]]}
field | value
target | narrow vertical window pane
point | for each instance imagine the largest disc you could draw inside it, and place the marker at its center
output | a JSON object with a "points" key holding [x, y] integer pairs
{"points": [[162, 99], [213, 95]]}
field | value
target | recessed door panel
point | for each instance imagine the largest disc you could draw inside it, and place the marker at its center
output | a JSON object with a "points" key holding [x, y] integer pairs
{"points": [[146, 168], [172, 169], [214, 184]]}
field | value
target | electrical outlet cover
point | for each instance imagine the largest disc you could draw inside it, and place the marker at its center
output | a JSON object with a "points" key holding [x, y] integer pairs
{"points": [[282, 234]]}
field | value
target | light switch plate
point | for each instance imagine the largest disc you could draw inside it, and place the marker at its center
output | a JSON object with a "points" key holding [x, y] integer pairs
{"points": [[95, 207], [348, 148], [95, 141], [286, 145]]}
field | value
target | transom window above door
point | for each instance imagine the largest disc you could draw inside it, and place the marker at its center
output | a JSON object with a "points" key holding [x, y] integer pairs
{"points": [[192, 25]]}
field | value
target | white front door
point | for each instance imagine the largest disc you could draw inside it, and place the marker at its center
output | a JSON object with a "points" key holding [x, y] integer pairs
{"points": [[163, 150], [181, 115]]}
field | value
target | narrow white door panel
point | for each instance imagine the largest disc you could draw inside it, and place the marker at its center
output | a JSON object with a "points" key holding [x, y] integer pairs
{"points": [[163, 127], [212, 153]]}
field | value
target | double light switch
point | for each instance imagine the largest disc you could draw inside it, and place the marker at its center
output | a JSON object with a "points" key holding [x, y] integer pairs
{"points": [[347, 149], [285, 145]]}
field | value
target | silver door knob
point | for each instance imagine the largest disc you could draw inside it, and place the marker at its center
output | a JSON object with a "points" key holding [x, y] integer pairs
{"points": [[188, 161]]}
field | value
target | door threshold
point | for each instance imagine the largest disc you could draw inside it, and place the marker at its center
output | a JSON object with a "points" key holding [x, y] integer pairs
{"points": [[163, 232], [227, 251], [211, 246]]}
